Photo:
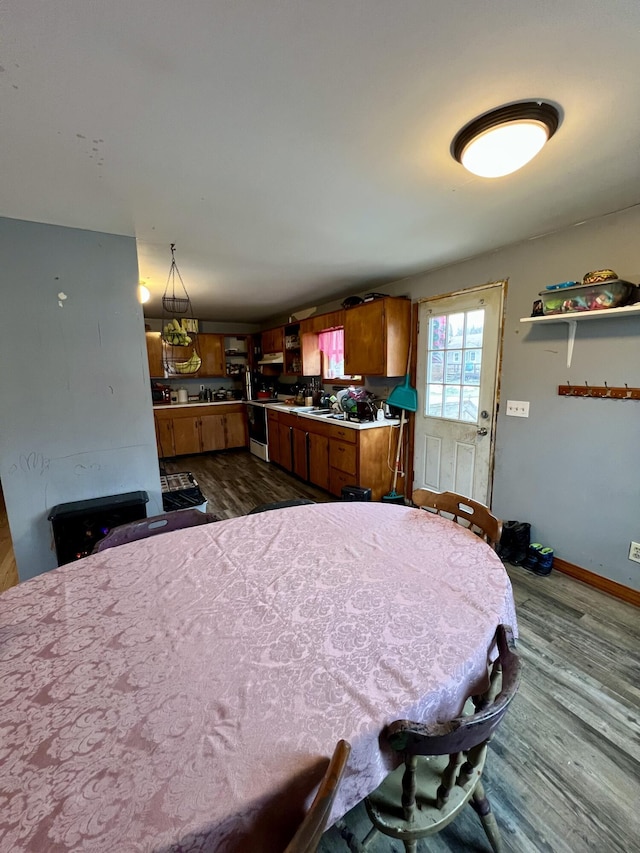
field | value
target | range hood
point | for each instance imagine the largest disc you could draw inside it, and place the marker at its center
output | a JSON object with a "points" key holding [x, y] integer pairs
{"points": [[272, 358]]}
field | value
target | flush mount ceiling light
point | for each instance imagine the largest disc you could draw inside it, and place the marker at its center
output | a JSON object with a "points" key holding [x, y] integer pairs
{"points": [[503, 140]]}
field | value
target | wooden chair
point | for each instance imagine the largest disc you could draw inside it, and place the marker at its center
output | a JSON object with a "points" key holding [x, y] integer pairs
{"points": [[145, 527], [280, 505], [476, 516], [443, 764], [310, 831]]}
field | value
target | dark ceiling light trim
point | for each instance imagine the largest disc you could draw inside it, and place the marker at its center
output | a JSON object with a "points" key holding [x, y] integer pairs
{"points": [[540, 112]]}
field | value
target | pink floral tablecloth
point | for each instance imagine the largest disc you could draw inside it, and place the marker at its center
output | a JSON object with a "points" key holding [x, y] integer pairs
{"points": [[182, 693]]}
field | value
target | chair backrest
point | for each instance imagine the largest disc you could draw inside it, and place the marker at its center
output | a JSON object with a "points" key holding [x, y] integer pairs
{"points": [[476, 516], [310, 831], [145, 527], [280, 505], [465, 732], [464, 739]]}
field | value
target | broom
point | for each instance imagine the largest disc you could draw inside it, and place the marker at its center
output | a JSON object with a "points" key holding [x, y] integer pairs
{"points": [[405, 398]]}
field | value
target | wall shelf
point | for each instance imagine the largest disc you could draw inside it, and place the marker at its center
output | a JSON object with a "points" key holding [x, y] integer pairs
{"points": [[572, 320]]}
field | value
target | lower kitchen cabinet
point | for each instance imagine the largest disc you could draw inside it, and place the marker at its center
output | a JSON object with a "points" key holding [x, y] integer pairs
{"points": [[200, 430], [332, 456], [273, 436], [318, 455]]}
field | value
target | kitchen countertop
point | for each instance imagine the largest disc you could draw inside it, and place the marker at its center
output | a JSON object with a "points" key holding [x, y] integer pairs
{"points": [[196, 403], [289, 409], [314, 416]]}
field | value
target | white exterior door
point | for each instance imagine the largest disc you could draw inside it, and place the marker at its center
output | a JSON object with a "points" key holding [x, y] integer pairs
{"points": [[457, 373]]}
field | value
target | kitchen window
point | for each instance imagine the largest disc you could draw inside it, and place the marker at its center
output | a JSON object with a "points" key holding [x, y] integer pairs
{"points": [[331, 345]]}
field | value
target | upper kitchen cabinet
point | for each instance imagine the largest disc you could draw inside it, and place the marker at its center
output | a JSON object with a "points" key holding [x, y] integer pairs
{"points": [[376, 337], [154, 354], [322, 322], [211, 351], [273, 340]]}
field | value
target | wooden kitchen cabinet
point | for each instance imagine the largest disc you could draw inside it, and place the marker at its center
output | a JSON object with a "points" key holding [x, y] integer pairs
{"points": [[211, 350], [322, 322], [272, 340], [200, 429], [318, 455], [236, 429], [186, 435], [376, 337], [154, 354], [273, 436], [212, 432], [330, 455], [301, 452]]}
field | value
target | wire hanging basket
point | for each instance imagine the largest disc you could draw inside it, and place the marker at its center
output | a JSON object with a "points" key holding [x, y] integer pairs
{"points": [[179, 335]]}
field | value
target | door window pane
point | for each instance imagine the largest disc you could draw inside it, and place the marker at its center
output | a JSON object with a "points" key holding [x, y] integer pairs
{"points": [[470, 403], [437, 332], [472, 365], [434, 401], [455, 329], [474, 328], [454, 366], [452, 401], [435, 372]]}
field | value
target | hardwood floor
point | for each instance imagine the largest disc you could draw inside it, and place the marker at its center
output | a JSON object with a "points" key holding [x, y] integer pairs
{"points": [[235, 481], [563, 772], [8, 568]]}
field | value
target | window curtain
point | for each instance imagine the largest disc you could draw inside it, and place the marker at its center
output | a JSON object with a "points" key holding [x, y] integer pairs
{"points": [[331, 343]]}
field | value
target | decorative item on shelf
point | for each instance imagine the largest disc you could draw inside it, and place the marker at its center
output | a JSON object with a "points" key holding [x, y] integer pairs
{"points": [[179, 336], [591, 296]]}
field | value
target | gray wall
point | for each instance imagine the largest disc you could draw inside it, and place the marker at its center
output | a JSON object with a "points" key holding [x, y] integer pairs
{"points": [[76, 420], [571, 468]]}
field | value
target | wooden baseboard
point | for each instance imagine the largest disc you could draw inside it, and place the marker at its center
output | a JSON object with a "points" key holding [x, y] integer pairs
{"points": [[618, 590]]}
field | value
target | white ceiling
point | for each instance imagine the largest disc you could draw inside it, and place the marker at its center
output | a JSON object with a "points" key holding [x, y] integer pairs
{"points": [[298, 150]]}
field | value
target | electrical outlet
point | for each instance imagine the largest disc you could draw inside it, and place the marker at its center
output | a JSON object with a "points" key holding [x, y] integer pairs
{"points": [[517, 408], [634, 552]]}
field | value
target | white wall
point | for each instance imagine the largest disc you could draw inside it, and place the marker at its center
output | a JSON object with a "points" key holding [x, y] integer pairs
{"points": [[571, 468], [76, 420]]}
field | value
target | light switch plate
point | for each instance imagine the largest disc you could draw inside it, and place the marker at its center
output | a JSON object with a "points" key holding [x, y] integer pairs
{"points": [[518, 408]]}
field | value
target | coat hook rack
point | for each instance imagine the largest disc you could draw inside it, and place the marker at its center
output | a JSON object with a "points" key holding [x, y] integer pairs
{"points": [[605, 392]]}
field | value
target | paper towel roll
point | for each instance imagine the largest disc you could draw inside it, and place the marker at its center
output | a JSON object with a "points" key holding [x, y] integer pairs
{"points": [[183, 397]]}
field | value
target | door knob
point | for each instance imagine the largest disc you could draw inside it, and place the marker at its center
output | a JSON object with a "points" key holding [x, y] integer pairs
{"points": [[482, 431]]}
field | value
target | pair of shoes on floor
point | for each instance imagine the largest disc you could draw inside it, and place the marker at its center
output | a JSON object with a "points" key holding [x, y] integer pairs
{"points": [[514, 542], [539, 559]]}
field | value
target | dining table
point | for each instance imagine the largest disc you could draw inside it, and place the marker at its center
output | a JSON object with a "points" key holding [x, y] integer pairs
{"points": [[183, 692]]}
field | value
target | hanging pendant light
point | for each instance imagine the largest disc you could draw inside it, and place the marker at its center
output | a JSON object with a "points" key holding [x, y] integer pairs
{"points": [[504, 140], [179, 335]]}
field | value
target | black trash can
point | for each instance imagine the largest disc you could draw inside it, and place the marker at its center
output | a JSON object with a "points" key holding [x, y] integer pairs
{"points": [[356, 493]]}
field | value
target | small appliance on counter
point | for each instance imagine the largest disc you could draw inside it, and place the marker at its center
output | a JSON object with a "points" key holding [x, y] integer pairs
{"points": [[160, 393]]}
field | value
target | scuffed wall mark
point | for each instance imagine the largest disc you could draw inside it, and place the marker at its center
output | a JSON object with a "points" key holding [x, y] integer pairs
{"points": [[80, 469], [34, 463], [110, 387], [1, 69], [99, 336], [552, 351], [13, 469], [80, 136], [61, 298]]}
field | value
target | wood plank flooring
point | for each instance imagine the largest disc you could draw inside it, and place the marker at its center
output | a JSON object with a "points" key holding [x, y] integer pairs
{"points": [[563, 772], [235, 481]]}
